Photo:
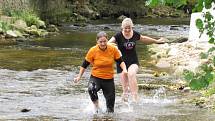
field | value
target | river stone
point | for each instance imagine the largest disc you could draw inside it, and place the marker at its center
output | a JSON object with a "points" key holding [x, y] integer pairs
{"points": [[173, 52], [180, 40], [41, 24], [20, 24], [18, 33], [186, 89], [7, 19], [163, 64], [33, 27], [10, 34], [121, 17], [25, 110], [52, 28]]}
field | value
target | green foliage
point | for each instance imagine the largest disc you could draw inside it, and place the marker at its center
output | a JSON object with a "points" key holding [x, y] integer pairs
{"points": [[28, 16], [200, 79], [200, 25], [199, 6], [5, 26], [153, 3], [210, 91], [174, 3]]}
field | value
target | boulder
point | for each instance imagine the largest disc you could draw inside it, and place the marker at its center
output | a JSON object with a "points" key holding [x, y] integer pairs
{"points": [[10, 34], [163, 64], [20, 25], [121, 17], [52, 28], [41, 24]]}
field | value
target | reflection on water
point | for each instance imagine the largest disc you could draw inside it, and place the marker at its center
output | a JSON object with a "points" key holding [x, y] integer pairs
{"points": [[51, 95]]}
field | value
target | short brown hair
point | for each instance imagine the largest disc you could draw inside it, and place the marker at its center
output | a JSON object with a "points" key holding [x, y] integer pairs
{"points": [[101, 34]]}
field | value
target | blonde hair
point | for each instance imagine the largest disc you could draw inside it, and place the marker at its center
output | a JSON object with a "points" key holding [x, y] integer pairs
{"points": [[127, 22]]}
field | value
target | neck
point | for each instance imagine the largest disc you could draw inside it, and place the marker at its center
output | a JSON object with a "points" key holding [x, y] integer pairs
{"points": [[128, 35], [103, 49]]}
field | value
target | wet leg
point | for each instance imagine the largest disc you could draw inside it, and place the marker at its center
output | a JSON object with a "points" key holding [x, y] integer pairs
{"points": [[132, 71], [125, 86]]}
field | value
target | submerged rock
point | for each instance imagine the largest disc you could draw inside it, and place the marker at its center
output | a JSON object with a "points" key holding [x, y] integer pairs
{"points": [[25, 110]]}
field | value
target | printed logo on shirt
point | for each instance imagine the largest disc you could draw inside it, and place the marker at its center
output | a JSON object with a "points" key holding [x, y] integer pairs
{"points": [[129, 45]]}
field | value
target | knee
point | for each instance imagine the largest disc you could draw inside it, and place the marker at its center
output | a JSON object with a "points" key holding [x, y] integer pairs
{"points": [[92, 92], [131, 75]]}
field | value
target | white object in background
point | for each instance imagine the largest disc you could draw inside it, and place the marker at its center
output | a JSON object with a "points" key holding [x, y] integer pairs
{"points": [[194, 32]]}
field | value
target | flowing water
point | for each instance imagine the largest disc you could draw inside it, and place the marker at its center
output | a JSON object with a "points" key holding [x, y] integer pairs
{"points": [[36, 81]]}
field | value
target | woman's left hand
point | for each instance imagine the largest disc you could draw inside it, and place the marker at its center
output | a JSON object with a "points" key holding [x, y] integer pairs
{"points": [[160, 41]]}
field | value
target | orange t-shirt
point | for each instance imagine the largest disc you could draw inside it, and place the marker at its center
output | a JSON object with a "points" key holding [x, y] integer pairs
{"points": [[102, 61]]}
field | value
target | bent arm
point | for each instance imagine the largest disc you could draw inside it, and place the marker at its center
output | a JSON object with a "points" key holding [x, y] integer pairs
{"points": [[112, 40], [122, 64]]}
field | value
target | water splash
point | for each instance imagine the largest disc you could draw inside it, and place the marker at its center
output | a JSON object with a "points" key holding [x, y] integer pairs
{"points": [[160, 93], [89, 108]]}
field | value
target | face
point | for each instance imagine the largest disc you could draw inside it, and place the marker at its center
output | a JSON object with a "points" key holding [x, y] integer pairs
{"points": [[102, 42], [127, 29]]}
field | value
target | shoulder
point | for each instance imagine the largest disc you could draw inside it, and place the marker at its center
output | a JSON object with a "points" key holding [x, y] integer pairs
{"points": [[93, 49], [111, 47], [136, 33], [118, 34]]}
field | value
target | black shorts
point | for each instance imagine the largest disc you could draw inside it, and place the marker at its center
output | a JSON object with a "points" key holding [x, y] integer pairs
{"points": [[119, 69]]}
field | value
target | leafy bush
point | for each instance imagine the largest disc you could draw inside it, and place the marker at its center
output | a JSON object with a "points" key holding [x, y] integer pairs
{"points": [[30, 17], [5, 26], [174, 3]]}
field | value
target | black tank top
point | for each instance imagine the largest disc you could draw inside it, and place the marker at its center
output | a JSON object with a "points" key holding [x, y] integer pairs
{"points": [[127, 48]]}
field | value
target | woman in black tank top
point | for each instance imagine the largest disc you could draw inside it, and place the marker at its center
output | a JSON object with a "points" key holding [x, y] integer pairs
{"points": [[126, 43]]}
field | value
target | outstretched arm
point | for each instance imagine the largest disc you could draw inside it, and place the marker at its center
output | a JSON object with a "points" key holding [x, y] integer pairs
{"points": [[149, 40]]}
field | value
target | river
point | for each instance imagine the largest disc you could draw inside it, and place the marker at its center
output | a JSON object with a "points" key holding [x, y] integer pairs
{"points": [[36, 79]]}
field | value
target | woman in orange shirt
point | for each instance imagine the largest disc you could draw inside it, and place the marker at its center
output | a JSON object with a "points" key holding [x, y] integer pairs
{"points": [[102, 58]]}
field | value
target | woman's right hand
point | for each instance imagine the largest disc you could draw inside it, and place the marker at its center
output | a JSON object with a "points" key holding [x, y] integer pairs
{"points": [[125, 72], [77, 79]]}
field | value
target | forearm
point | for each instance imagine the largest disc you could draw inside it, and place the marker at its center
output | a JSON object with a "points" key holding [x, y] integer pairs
{"points": [[84, 65], [123, 66], [81, 72], [147, 40], [112, 40]]}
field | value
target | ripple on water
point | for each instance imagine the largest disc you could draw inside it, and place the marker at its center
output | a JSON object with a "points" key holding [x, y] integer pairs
{"points": [[49, 94]]}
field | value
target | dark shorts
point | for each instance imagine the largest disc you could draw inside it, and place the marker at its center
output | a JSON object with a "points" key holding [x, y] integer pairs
{"points": [[108, 88], [119, 69]]}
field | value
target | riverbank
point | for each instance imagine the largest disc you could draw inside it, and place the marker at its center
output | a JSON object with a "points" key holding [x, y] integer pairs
{"points": [[186, 56]]}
